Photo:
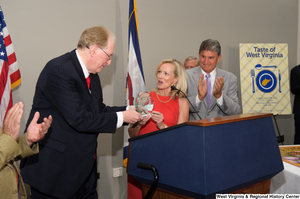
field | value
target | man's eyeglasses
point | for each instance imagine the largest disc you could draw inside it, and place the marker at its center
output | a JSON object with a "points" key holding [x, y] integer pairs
{"points": [[108, 56]]}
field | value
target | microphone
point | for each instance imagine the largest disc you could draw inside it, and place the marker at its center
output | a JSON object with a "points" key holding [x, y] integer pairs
{"points": [[174, 88]]}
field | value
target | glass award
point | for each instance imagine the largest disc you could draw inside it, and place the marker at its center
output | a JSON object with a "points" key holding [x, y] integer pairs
{"points": [[144, 103]]}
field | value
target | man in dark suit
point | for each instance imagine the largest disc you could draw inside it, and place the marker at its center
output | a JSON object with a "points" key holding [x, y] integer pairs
{"points": [[211, 91], [69, 89], [295, 89]]}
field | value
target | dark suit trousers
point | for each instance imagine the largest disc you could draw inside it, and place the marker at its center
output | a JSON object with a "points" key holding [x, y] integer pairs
{"points": [[297, 129], [86, 191]]}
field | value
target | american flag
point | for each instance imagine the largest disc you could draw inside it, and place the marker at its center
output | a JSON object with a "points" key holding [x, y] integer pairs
{"points": [[10, 76]]}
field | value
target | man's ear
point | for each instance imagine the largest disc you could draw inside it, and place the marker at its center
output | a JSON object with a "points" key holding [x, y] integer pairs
{"points": [[219, 58], [93, 50]]}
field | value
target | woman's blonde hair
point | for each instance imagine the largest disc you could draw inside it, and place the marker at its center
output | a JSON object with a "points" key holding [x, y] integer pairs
{"points": [[178, 72]]}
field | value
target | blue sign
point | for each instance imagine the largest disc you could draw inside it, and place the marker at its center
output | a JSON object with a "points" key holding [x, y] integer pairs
{"points": [[266, 81]]}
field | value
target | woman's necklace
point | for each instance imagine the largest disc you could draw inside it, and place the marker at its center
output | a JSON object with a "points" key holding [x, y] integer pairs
{"points": [[163, 101]]}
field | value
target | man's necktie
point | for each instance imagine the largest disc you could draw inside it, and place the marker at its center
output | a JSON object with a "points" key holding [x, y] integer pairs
{"points": [[88, 81], [208, 95]]}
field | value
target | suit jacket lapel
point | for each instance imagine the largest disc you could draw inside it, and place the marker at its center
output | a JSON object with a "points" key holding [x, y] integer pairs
{"points": [[213, 99], [78, 68], [196, 77], [96, 91]]}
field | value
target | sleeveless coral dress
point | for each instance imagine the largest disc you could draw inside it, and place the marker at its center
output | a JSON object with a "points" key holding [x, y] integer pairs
{"points": [[170, 110]]}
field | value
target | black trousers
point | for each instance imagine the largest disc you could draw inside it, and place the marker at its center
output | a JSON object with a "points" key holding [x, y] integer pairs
{"points": [[86, 191], [297, 129]]}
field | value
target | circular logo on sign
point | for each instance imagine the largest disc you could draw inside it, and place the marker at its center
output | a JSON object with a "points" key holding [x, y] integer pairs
{"points": [[266, 81]]}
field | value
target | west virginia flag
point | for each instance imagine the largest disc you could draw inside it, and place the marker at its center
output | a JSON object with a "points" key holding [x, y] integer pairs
{"points": [[135, 82]]}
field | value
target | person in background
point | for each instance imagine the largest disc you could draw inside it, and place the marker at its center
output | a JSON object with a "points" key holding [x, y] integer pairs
{"points": [[14, 148], [170, 108], [295, 89], [69, 89], [211, 91], [191, 62]]}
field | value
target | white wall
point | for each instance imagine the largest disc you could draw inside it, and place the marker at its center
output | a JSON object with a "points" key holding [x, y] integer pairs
{"points": [[42, 30]]}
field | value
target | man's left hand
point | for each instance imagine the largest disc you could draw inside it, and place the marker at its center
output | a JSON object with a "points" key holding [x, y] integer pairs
{"points": [[35, 131], [219, 83]]}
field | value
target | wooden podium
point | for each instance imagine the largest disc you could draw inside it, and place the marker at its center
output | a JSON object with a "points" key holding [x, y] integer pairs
{"points": [[198, 159]]}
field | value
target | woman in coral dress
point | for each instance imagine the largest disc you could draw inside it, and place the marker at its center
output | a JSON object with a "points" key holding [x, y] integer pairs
{"points": [[170, 108]]}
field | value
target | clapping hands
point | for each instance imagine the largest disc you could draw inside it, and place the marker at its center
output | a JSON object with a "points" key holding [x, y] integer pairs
{"points": [[35, 131]]}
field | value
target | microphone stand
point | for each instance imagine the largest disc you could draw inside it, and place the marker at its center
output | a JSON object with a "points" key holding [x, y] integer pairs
{"points": [[155, 181], [174, 88]]}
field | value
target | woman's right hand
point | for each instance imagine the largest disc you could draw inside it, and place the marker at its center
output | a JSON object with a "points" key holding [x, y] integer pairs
{"points": [[144, 120], [135, 128]]}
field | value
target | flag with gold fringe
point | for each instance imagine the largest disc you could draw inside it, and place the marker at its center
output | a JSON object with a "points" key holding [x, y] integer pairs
{"points": [[135, 82], [10, 76]]}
